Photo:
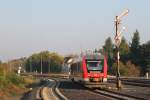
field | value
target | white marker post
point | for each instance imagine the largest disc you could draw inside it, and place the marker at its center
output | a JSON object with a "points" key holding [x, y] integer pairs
{"points": [[19, 71], [69, 62]]}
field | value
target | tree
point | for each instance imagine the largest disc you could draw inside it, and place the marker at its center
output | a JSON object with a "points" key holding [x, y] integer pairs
{"points": [[145, 57], [128, 69], [123, 69], [132, 69], [108, 50], [124, 50], [108, 47], [124, 47], [135, 47], [135, 41], [51, 62]]}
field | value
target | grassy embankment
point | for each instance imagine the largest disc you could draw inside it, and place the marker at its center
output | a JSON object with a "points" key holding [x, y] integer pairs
{"points": [[12, 86]]}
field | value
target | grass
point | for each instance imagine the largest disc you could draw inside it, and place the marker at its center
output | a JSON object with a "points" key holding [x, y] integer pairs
{"points": [[12, 85]]}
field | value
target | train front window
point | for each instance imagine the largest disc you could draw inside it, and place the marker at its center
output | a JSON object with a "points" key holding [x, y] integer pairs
{"points": [[94, 65]]}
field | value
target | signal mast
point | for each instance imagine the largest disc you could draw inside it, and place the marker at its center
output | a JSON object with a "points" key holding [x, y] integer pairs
{"points": [[118, 37]]}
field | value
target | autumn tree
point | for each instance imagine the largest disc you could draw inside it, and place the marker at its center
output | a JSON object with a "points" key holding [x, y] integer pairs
{"points": [[133, 70]]}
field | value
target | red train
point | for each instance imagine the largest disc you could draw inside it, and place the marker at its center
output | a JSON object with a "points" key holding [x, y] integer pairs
{"points": [[91, 70]]}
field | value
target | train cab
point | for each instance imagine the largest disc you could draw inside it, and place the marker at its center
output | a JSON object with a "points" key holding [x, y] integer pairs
{"points": [[91, 70]]}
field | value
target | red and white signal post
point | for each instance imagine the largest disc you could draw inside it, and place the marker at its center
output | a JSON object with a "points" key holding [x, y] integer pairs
{"points": [[118, 38]]}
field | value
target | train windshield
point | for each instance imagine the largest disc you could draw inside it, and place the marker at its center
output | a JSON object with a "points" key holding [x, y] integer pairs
{"points": [[94, 65]]}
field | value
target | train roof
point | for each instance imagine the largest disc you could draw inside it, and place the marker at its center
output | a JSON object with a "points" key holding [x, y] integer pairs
{"points": [[94, 56], [88, 56]]}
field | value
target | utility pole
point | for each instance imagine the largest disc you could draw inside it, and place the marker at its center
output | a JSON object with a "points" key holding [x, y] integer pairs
{"points": [[41, 63], [118, 38]]}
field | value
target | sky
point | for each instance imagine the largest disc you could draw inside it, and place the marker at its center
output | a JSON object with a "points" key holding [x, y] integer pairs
{"points": [[66, 26]]}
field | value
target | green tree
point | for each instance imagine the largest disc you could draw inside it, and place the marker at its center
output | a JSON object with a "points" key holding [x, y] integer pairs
{"points": [[51, 62], [124, 47], [56, 61], [108, 47], [124, 50], [135, 47], [145, 57], [108, 50]]}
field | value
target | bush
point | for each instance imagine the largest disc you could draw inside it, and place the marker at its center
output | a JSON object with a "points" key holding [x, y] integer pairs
{"points": [[15, 79], [132, 69], [122, 68], [10, 79], [4, 82], [128, 69]]}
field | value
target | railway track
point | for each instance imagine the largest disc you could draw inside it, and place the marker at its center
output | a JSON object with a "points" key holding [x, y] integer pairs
{"points": [[117, 95], [75, 91], [50, 91], [134, 82], [78, 91]]}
